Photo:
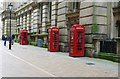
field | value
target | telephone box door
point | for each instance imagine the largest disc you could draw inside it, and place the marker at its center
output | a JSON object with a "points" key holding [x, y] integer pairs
{"points": [[77, 37], [53, 43]]}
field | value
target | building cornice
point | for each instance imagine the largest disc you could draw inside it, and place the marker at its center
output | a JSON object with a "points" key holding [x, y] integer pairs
{"points": [[24, 7]]}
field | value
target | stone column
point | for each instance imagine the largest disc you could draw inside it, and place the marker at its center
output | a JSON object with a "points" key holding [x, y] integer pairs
{"points": [[24, 21], [17, 24], [44, 16], [61, 23], [97, 46], [21, 20], [54, 14], [36, 20], [32, 21], [28, 21], [13, 26], [118, 45], [94, 16]]}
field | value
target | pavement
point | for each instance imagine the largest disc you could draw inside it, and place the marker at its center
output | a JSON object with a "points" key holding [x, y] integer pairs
{"points": [[32, 61]]}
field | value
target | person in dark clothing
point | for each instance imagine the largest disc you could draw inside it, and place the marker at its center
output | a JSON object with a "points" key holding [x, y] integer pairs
{"points": [[5, 39], [13, 37]]}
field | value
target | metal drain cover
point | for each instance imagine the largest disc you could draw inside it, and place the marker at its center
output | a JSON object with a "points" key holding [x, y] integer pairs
{"points": [[90, 63]]}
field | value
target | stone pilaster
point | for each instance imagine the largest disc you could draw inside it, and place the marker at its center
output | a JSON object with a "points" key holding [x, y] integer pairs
{"points": [[44, 16], [32, 15], [118, 45], [54, 14], [35, 20], [21, 22], [28, 22]]}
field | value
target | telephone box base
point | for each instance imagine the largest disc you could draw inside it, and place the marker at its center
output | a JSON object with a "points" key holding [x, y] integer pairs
{"points": [[76, 55], [23, 44], [54, 51]]}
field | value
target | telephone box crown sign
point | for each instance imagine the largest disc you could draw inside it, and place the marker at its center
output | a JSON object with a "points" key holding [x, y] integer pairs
{"points": [[78, 26], [53, 27]]}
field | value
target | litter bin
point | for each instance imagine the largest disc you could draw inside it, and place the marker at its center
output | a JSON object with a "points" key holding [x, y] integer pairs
{"points": [[40, 42]]}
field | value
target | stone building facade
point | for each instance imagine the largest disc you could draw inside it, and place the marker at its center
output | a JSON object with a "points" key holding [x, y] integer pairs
{"points": [[37, 17], [116, 28]]}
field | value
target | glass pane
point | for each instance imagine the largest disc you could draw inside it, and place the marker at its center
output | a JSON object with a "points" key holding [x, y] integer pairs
{"points": [[71, 41], [24, 36], [55, 40], [79, 46]]}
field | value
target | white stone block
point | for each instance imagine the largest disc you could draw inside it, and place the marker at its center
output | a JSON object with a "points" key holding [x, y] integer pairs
{"points": [[36, 17], [53, 23], [101, 4], [36, 10], [102, 29], [36, 14], [53, 17], [54, 7], [54, 12], [86, 20], [62, 4], [85, 4], [88, 29], [44, 10], [87, 11], [63, 38], [43, 24], [44, 19], [61, 17], [44, 6], [54, 2], [60, 24], [43, 29], [61, 11], [35, 26], [63, 31], [101, 20], [101, 11]]}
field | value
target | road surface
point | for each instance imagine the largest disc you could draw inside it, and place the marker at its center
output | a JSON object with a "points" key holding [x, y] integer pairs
{"points": [[31, 61]]}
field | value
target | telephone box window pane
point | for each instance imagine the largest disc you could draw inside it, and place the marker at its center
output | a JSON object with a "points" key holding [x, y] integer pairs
{"points": [[79, 46], [24, 36], [55, 39], [72, 42]]}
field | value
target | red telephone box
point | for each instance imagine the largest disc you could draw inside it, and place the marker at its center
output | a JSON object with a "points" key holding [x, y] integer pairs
{"points": [[53, 39], [24, 37], [77, 39]]}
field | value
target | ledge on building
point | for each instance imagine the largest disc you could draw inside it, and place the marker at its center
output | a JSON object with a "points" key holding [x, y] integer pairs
{"points": [[89, 46], [117, 38], [16, 34], [99, 37], [40, 35]]}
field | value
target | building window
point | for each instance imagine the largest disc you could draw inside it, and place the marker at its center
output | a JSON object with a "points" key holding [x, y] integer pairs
{"points": [[73, 6]]}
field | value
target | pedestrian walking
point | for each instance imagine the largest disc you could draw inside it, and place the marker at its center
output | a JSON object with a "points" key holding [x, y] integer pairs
{"points": [[13, 37], [5, 39]]}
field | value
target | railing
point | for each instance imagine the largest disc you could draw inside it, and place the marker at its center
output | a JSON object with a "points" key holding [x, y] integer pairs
{"points": [[108, 46]]}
